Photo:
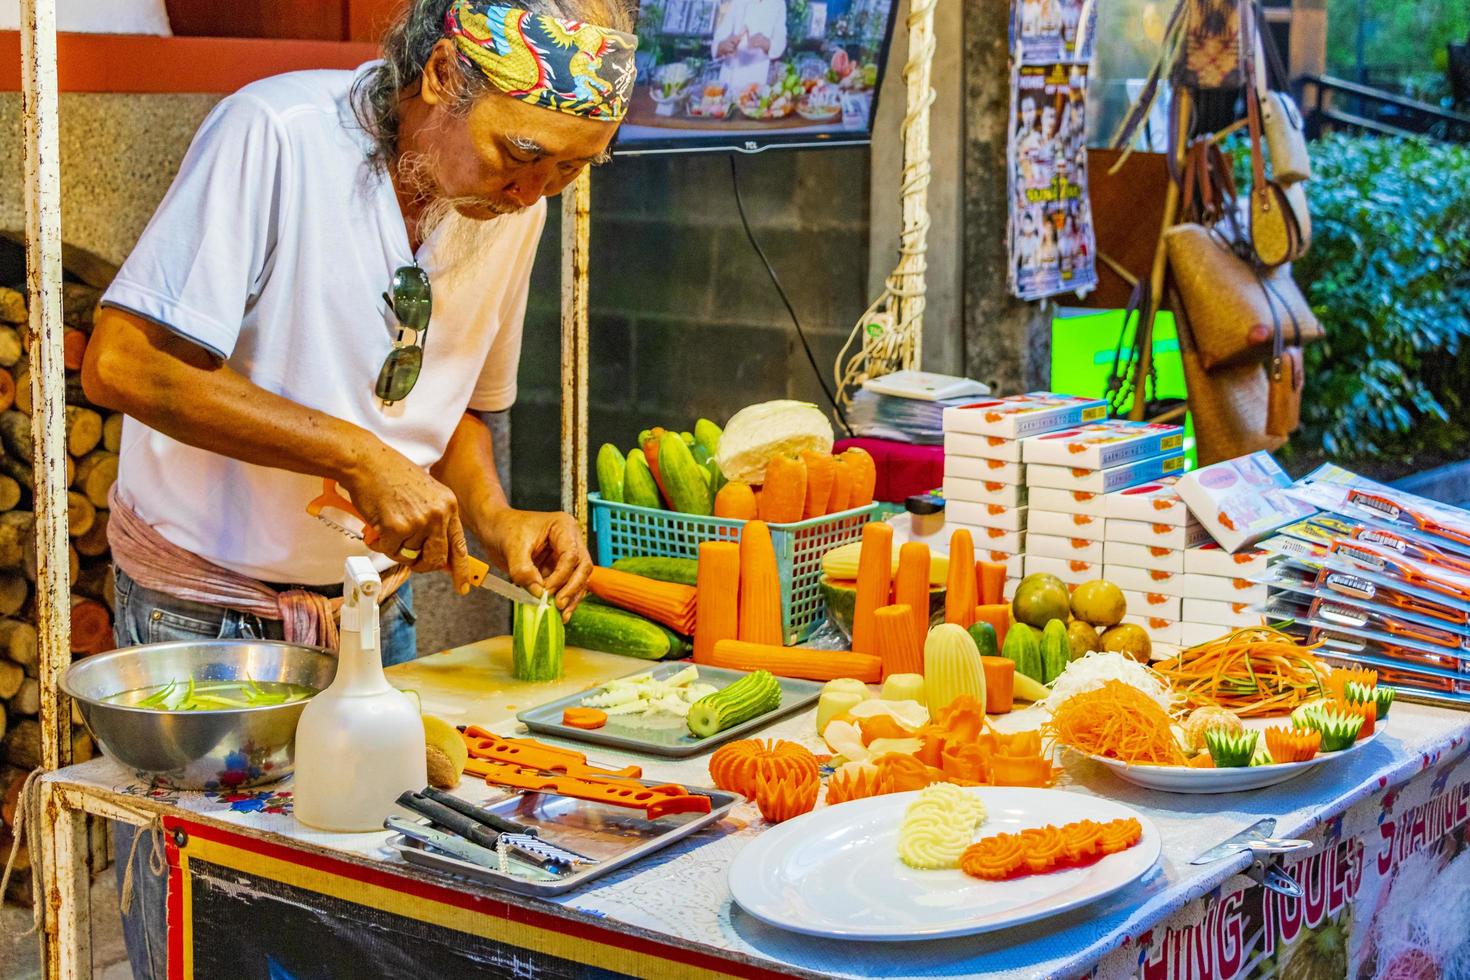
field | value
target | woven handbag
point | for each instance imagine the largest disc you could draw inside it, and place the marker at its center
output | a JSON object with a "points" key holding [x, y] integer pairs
{"points": [[1229, 405], [1236, 311]]}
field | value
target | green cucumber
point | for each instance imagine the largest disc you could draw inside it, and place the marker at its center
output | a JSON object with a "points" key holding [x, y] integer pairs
{"points": [[687, 485], [683, 571], [597, 627], [1383, 696], [610, 469], [639, 487], [538, 642], [707, 434], [751, 696], [1056, 650], [1231, 750], [984, 636], [1024, 650]]}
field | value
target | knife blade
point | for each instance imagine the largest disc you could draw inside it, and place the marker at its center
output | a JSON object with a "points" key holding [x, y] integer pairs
{"points": [[1257, 837], [454, 846], [338, 513]]}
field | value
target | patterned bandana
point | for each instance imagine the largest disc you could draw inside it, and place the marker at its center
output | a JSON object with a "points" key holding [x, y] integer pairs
{"points": [[564, 65]]}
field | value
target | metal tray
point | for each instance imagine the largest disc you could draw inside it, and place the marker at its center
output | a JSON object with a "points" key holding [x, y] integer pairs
{"points": [[674, 742], [614, 835]]}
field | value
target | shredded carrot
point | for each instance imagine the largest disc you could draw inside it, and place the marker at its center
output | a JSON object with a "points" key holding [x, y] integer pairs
{"points": [[1254, 671], [1116, 721]]}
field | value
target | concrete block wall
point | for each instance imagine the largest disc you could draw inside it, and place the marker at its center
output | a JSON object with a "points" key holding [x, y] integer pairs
{"points": [[685, 322]]}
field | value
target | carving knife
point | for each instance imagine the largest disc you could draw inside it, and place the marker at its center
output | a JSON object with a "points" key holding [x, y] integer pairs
{"points": [[1257, 837]]}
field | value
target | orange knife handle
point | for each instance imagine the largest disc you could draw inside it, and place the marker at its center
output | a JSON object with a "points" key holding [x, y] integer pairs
{"points": [[478, 571]]}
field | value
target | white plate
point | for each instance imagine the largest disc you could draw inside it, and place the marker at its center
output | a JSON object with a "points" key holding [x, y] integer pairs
{"points": [[835, 872], [1183, 779]]}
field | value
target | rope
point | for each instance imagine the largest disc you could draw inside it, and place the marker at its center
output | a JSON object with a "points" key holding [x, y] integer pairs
{"points": [[157, 861], [872, 354], [22, 806]]}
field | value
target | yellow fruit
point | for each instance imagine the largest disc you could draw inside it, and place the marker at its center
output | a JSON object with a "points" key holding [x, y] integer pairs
{"points": [[446, 752], [1129, 639], [1099, 602], [1040, 598], [1082, 638]]}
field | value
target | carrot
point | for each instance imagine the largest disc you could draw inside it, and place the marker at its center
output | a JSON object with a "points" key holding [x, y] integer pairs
{"points": [[814, 665], [760, 587], [734, 767], [821, 473], [998, 615], [865, 476], [783, 493], [960, 591], [911, 586], [874, 582], [992, 576], [1292, 744], [736, 501], [895, 642], [842, 480], [1000, 684], [584, 718], [1252, 671], [663, 602], [1116, 721], [717, 596]]}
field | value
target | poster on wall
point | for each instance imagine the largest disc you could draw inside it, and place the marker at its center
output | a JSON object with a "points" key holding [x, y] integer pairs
{"points": [[1053, 30], [1052, 244]]}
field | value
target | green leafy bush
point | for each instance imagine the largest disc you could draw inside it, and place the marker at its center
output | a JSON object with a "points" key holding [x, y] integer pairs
{"points": [[1388, 274]]}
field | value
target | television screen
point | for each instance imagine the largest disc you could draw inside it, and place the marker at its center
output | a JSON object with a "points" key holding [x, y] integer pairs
{"points": [[749, 74]]}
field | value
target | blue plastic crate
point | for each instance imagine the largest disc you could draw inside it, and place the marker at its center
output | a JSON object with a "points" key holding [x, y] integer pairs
{"points": [[624, 531]]}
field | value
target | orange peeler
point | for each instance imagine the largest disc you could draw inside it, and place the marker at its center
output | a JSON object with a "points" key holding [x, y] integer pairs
{"points": [[655, 801], [488, 748]]}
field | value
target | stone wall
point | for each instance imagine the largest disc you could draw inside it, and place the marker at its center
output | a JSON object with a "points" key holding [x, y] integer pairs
{"points": [[685, 322]]}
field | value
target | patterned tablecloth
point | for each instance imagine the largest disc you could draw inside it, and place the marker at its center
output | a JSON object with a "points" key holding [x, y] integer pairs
{"points": [[681, 892]]}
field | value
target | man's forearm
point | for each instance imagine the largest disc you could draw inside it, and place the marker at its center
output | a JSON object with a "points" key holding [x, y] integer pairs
{"points": [[177, 388], [468, 468]]}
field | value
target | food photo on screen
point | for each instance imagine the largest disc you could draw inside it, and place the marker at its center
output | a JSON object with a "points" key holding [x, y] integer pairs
{"points": [[747, 74]]}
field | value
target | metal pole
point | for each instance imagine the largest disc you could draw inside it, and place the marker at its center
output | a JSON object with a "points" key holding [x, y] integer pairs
{"points": [[576, 202]]}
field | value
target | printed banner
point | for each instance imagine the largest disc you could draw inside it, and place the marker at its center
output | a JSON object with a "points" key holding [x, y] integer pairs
{"points": [[1367, 911], [1054, 30], [1053, 247]]}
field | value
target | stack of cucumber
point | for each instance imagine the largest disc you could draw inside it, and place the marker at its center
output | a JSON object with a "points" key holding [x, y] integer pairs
{"points": [[666, 470], [597, 626]]}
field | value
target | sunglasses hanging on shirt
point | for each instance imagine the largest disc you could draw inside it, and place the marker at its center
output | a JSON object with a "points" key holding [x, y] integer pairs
{"points": [[412, 302]]}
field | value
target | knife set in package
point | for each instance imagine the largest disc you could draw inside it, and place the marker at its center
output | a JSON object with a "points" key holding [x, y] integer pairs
{"points": [[1381, 578]]}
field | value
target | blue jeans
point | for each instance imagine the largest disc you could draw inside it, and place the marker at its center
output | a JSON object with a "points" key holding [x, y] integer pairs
{"points": [[146, 616]]}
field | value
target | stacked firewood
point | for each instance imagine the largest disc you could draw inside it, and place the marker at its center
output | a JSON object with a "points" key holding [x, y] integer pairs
{"points": [[92, 438]]}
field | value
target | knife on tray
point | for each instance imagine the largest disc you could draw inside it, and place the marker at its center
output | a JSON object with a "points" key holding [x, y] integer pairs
{"points": [[481, 832], [333, 509]]}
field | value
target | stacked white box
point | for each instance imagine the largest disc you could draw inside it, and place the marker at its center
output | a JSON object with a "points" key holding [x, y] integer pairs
{"points": [[1220, 592], [1068, 476], [984, 477], [1148, 530]]}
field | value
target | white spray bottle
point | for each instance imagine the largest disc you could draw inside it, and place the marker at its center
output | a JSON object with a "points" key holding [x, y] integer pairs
{"points": [[359, 743]]}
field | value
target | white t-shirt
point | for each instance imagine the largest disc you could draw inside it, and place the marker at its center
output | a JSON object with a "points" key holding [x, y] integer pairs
{"points": [[273, 249]]}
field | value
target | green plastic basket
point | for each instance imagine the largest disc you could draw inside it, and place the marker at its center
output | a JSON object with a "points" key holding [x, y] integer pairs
{"points": [[624, 531]]}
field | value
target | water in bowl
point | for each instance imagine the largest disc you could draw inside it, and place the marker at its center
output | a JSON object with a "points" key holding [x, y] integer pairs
{"points": [[191, 695]]}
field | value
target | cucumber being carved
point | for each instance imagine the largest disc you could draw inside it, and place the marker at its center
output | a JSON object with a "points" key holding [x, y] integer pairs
{"points": [[747, 698]]}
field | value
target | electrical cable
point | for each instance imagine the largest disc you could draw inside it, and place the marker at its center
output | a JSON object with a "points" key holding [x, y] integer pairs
{"points": [[785, 300]]}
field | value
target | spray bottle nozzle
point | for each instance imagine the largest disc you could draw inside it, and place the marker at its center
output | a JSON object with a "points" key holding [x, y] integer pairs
{"points": [[361, 586]]}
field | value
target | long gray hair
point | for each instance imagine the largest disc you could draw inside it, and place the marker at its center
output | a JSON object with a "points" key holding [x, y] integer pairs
{"points": [[410, 40]]}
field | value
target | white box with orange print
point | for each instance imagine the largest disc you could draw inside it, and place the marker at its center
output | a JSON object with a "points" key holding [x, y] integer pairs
{"points": [[1234, 615], [1018, 416], [985, 515], [982, 447], [1211, 559], [1192, 634], [1103, 481], [1153, 604], [1066, 501], [1242, 500], [1159, 630], [1066, 525], [984, 492], [1219, 587], [990, 541], [1131, 579], [1143, 556], [1176, 536], [1102, 445], [1155, 502], [987, 470], [1068, 549], [1071, 572]]}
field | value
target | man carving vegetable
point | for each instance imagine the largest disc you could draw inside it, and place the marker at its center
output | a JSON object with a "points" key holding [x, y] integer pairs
{"points": [[334, 287]]}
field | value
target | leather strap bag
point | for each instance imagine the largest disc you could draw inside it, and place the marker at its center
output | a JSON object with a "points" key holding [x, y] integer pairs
{"points": [[1236, 310], [1275, 235], [1286, 139], [1284, 400], [1229, 404]]}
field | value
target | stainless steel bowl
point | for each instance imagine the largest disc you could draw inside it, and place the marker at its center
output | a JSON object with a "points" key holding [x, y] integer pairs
{"points": [[217, 749]]}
